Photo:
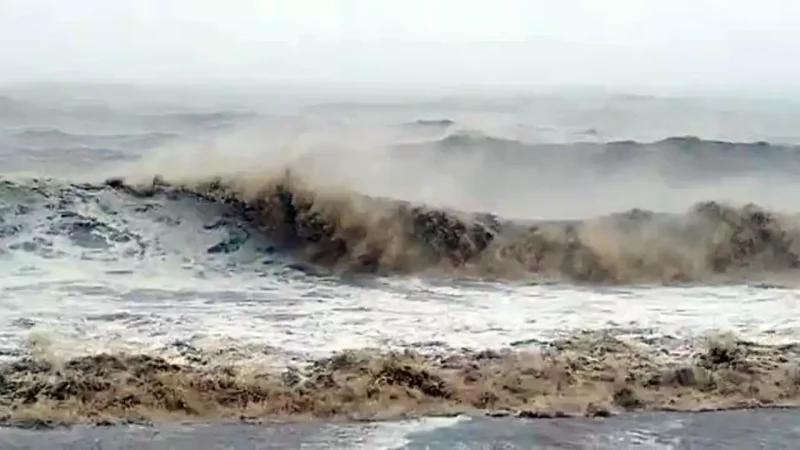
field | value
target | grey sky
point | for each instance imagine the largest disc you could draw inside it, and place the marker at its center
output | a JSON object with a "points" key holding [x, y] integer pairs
{"points": [[478, 42]]}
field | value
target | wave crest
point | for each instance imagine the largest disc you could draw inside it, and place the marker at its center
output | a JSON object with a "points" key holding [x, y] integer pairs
{"points": [[348, 232]]}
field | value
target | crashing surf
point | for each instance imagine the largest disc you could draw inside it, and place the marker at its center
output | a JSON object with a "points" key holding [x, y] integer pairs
{"points": [[347, 232], [589, 375]]}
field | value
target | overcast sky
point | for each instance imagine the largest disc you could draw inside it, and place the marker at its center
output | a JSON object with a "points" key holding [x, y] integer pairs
{"points": [[479, 42]]}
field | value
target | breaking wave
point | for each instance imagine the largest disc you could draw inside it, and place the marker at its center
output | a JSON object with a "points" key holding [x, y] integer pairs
{"points": [[346, 232], [594, 376], [342, 230]]}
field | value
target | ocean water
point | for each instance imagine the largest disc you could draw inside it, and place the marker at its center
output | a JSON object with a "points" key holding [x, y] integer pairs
{"points": [[90, 267], [745, 430]]}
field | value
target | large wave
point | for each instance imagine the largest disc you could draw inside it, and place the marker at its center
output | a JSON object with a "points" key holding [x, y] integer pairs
{"points": [[344, 230], [348, 232]]}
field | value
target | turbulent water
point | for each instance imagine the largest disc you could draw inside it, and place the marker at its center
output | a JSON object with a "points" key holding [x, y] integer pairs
{"points": [[184, 257]]}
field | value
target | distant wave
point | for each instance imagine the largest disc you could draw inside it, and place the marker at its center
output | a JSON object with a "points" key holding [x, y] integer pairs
{"points": [[201, 119], [54, 137], [476, 139], [685, 143], [681, 155], [57, 148], [18, 111], [433, 123], [56, 134]]}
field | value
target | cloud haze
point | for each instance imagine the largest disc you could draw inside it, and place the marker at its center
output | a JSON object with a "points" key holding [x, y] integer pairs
{"points": [[734, 43]]}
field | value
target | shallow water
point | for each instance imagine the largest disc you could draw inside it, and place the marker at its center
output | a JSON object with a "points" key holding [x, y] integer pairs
{"points": [[767, 429]]}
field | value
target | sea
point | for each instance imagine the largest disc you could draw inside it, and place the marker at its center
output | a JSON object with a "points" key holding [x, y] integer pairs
{"points": [[114, 241]]}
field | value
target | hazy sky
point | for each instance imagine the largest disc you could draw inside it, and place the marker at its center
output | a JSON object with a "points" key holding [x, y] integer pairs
{"points": [[478, 42]]}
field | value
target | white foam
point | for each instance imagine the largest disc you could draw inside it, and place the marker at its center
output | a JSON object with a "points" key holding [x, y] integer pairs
{"points": [[89, 309], [394, 435]]}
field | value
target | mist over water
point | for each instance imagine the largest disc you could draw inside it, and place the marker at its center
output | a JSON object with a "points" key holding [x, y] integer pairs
{"points": [[464, 165], [681, 208]]}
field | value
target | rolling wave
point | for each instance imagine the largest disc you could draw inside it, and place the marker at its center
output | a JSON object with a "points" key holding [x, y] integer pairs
{"points": [[346, 232], [53, 137], [674, 154]]}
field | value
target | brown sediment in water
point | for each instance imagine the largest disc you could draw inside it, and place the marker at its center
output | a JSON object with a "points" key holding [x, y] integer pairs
{"points": [[587, 375], [347, 232]]}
